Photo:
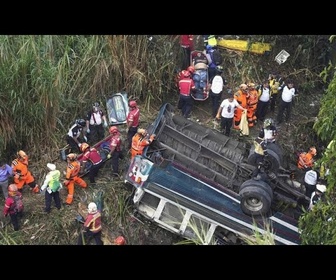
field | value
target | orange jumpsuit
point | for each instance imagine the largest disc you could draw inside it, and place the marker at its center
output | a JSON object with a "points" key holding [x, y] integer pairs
{"points": [[241, 98], [72, 178], [305, 160], [139, 142], [22, 176], [252, 106]]}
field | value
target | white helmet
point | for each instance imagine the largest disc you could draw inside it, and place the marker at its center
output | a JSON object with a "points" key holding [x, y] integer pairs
{"points": [[321, 188], [92, 208]]}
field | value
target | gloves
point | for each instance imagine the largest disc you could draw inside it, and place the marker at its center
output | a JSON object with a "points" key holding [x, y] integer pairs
{"points": [[88, 130], [105, 124], [79, 144], [108, 156]]}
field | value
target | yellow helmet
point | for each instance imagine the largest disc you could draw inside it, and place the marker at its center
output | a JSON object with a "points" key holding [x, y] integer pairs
{"points": [[84, 146]]}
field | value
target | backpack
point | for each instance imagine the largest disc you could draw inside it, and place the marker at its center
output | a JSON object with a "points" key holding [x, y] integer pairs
{"points": [[18, 203], [217, 57]]}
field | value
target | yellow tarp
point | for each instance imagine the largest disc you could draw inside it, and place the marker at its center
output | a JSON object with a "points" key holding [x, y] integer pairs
{"points": [[242, 45]]}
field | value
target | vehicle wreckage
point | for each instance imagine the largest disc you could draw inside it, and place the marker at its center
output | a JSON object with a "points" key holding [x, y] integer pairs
{"points": [[194, 179]]}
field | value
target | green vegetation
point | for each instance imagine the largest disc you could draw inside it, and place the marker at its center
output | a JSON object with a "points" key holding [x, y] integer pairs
{"points": [[48, 81]]}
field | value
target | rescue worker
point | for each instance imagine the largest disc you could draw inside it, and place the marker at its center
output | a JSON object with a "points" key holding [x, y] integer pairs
{"points": [[187, 45], [115, 150], [75, 135], [132, 122], [317, 195], [286, 101], [22, 175], [216, 89], [186, 86], [306, 160], [269, 131], [72, 177], [263, 101], [11, 208], [252, 103], [95, 123], [241, 96], [140, 140], [92, 227], [53, 185], [310, 180], [92, 155], [226, 112], [6, 172], [274, 84]]}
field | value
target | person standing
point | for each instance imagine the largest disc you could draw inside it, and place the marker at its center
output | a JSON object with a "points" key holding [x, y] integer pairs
{"points": [[95, 124], [226, 113], [186, 86], [92, 227], [216, 90], [285, 107], [14, 206], [53, 185], [75, 135], [6, 172], [115, 150], [141, 140], [241, 96], [187, 45], [132, 121], [72, 177], [92, 155], [252, 103], [263, 102], [310, 180], [317, 195], [274, 83], [22, 175]]}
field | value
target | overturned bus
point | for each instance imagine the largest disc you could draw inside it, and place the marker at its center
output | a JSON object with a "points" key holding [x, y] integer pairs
{"points": [[196, 182]]}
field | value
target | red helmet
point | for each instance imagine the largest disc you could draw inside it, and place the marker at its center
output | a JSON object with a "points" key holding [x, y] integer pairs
{"points": [[120, 240], [185, 73], [191, 69], [84, 146], [132, 103], [113, 130]]}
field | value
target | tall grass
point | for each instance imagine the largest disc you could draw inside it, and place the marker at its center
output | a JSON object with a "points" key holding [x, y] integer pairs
{"points": [[48, 81]]}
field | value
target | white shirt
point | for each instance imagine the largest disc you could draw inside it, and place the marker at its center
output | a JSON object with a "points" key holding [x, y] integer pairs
{"points": [[311, 177], [269, 135], [265, 95], [96, 116], [217, 84], [228, 108], [287, 94]]}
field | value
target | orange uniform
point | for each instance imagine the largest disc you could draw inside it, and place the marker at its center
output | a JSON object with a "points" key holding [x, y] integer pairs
{"points": [[241, 96], [22, 176], [139, 142], [252, 106], [72, 178], [305, 160]]}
